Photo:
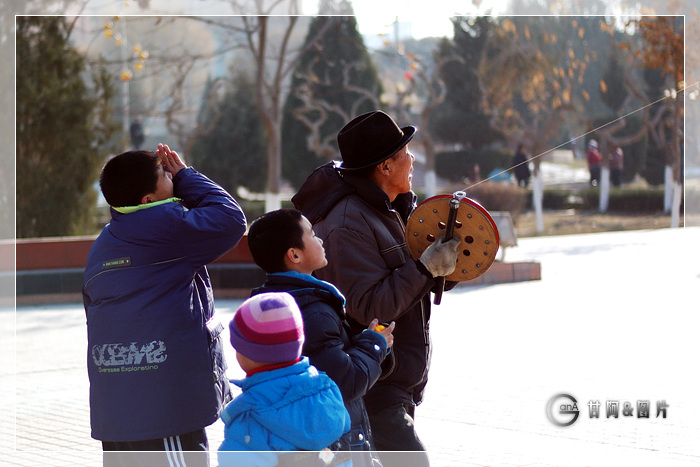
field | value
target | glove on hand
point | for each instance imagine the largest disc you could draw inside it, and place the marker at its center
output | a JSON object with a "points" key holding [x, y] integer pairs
{"points": [[440, 258]]}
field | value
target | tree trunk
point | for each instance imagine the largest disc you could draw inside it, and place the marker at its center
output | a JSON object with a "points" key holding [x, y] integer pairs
{"points": [[668, 188], [537, 197], [430, 176], [676, 172], [273, 200], [676, 204], [604, 189], [430, 183]]}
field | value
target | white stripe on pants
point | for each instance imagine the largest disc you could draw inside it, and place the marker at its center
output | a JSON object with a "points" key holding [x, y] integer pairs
{"points": [[173, 449]]}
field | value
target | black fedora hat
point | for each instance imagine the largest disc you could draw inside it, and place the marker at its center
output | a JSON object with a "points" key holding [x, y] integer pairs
{"points": [[370, 139]]}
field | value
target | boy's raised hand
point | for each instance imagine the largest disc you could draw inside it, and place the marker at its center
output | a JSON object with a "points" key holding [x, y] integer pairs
{"points": [[170, 159], [385, 331]]}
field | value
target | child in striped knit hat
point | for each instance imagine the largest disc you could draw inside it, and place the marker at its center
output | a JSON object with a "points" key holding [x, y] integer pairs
{"points": [[285, 404]]}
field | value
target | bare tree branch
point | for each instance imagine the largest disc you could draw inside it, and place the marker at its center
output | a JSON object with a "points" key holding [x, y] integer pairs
{"points": [[324, 147]]}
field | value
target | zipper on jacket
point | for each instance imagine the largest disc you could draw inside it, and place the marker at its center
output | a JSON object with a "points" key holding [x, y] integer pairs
{"points": [[396, 213], [426, 339], [133, 267]]}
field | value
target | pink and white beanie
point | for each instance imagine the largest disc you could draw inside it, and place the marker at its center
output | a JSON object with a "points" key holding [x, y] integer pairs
{"points": [[268, 328]]}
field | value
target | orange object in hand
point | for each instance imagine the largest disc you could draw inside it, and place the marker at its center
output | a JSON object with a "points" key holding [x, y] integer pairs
{"points": [[380, 327]]}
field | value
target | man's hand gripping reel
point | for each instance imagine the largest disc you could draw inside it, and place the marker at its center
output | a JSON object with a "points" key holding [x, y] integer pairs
{"points": [[449, 233], [450, 216]]}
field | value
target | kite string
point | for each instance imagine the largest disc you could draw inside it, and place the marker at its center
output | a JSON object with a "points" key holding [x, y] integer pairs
{"points": [[580, 136]]}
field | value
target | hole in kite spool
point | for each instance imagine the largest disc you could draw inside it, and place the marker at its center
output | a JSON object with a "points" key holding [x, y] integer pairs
{"points": [[442, 225], [469, 239], [430, 238], [458, 224], [466, 253]]}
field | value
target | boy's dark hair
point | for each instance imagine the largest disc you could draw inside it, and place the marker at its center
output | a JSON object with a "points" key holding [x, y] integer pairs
{"points": [[127, 177], [271, 235]]}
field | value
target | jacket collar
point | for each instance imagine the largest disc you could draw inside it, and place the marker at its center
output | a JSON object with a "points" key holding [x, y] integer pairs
{"points": [[308, 279], [305, 289], [261, 377], [130, 209], [321, 191], [326, 186], [371, 194], [274, 366]]}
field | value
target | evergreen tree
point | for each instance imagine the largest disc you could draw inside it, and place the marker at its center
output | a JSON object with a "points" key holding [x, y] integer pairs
{"points": [[461, 118], [63, 131], [630, 136], [663, 57], [334, 81], [614, 92], [233, 153], [655, 164]]}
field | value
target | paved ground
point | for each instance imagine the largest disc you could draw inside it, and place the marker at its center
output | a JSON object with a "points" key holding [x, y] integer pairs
{"points": [[613, 318]]}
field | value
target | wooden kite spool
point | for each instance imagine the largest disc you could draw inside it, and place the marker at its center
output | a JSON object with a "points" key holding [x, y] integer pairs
{"points": [[473, 225]]}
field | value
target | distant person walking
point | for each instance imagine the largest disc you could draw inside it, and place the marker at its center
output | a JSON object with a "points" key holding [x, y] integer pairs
{"points": [[593, 158], [522, 171], [616, 166], [136, 133]]}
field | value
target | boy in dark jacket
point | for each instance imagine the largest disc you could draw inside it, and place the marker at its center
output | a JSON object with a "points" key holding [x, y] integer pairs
{"points": [[155, 357], [284, 245]]}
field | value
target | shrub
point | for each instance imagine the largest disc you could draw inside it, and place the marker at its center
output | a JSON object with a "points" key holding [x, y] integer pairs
{"points": [[560, 199], [495, 196], [458, 165], [627, 201], [655, 167]]}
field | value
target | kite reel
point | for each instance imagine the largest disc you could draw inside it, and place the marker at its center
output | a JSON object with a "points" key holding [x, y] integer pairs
{"points": [[459, 216]]}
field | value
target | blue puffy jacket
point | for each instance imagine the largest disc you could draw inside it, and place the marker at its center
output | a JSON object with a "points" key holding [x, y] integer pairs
{"points": [[287, 409], [155, 356]]}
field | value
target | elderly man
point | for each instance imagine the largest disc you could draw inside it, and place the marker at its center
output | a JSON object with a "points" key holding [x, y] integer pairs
{"points": [[359, 208]]}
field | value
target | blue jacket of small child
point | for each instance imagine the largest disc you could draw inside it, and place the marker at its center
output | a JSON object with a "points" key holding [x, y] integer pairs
{"points": [[287, 409]]}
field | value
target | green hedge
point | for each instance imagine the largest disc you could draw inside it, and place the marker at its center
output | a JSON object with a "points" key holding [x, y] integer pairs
{"points": [[456, 166], [560, 199], [497, 196], [625, 201]]}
